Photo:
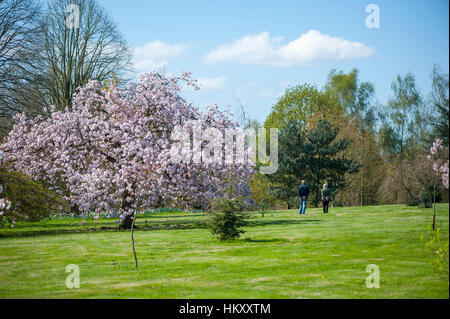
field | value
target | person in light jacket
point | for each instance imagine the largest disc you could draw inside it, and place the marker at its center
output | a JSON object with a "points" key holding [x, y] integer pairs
{"points": [[326, 193]]}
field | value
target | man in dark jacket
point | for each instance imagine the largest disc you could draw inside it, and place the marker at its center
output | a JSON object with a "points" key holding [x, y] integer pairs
{"points": [[303, 192]]}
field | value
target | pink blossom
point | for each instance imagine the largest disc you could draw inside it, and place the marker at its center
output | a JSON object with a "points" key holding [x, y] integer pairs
{"points": [[112, 151], [440, 165]]}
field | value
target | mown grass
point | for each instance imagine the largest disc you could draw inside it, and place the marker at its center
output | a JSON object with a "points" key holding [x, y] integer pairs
{"points": [[282, 255]]}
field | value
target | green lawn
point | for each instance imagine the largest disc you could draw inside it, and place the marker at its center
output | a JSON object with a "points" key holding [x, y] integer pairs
{"points": [[282, 255]]}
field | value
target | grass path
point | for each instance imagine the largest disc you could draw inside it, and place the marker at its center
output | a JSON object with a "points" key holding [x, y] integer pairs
{"points": [[283, 255]]}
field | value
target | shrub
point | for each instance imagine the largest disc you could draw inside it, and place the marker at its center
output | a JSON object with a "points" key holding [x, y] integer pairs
{"points": [[294, 202], [227, 218], [427, 195], [438, 246], [338, 203], [425, 204], [259, 185], [30, 200], [412, 202]]}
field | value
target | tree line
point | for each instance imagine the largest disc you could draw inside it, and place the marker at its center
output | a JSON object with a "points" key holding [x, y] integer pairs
{"points": [[368, 152]]}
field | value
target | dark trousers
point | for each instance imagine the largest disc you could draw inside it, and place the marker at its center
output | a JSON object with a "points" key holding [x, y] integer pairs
{"points": [[325, 206]]}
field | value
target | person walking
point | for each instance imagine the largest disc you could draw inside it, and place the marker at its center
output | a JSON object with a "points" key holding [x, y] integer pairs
{"points": [[303, 192], [326, 193]]}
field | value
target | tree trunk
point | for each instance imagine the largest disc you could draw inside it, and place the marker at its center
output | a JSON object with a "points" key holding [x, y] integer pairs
{"points": [[75, 210], [127, 222], [362, 187], [319, 185], [132, 239], [434, 206], [403, 129]]}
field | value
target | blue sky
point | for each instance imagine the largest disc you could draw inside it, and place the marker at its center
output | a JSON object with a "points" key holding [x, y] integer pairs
{"points": [[252, 50]]}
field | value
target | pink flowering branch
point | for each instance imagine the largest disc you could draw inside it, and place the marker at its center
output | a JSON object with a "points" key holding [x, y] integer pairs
{"points": [[114, 146], [439, 158]]}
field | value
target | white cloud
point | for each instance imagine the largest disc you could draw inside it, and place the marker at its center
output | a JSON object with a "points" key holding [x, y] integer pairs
{"points": [[210, 84], [270, 93], [284, 84], [267, 93], [311, 47], [280, 94], [155, 55]]}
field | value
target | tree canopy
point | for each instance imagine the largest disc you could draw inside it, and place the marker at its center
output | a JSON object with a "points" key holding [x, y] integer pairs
{"points": [[112, 151]]}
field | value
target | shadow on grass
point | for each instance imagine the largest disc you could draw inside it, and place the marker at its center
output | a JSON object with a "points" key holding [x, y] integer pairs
{"points": [[105, 223], [43, 232], [271, 240], [281, 222], [139, 227], [178, 215], [76, 228], [22, 225]]}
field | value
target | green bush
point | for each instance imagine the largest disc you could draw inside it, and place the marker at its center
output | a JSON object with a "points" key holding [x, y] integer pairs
{"points": [[426, 197], [227, 218], [30, 200], [438, 246], [338, 203], [425, 204], [412, 202], [294, 202]]}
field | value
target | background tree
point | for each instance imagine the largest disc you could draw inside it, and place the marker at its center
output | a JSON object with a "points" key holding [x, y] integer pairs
{"points": [[290, 170], [361, 187], [405, 180], [301, 103], [407, 171], [324, 160], [315, 156], [20, 40], [439, 101], [259, 183], [75, 51], [346, 102], [357, 124], [5, 204], [355, 97], [260, 186], [402, 119]]}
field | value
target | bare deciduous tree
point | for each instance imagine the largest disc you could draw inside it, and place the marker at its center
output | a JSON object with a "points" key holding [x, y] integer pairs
{"points": [[405, 180], [19, 56], [81, 42], [45, 58]]}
